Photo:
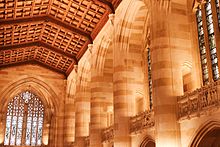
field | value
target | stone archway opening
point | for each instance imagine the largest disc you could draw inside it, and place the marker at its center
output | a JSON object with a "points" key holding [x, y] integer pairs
{"points": [[148, 143], [207, 136], [211, 139]]}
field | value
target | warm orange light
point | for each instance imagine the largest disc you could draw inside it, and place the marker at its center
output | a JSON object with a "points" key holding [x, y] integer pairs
{"points": [[1, 133], [46, 134], [1, 138]]}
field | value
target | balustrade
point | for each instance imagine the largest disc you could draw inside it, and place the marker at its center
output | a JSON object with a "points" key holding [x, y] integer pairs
{"points": [[141, 122], [108, 134], [87, 140], [200, 101]]}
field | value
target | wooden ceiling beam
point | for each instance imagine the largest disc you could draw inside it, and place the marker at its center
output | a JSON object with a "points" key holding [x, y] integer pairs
{"points": [[57, 50], [109, 4], [39, 44], [47, 18]]}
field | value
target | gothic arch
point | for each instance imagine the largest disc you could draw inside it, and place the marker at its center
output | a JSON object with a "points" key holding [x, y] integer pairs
{"points": [[203, 130], [37, 86], [147, 142]]}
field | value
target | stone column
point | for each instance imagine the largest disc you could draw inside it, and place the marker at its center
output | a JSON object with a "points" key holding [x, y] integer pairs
{"points": [[70, 109], [46, 134], [123, 97], [69, 123], [96, 106], [59, 131], [167, 46], [82, 102], [101, 95]]}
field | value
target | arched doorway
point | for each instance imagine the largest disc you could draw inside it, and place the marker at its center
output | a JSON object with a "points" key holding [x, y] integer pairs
{"points": [[208, 135], [148, 143], [211, 139]]}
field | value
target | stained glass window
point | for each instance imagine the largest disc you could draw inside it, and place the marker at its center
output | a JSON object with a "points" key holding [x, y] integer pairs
{"points": [[24, 120], [212, 43], [149, 78], [202, 47], [218, 11]]}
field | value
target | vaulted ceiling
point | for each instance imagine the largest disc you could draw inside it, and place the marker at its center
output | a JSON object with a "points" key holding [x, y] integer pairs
{"points": [[51, 33]]}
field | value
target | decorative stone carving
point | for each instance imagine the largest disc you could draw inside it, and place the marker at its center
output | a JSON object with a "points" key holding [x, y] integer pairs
{"points": [[200, 101], [87, 140], [108, 134], [142, 121]]}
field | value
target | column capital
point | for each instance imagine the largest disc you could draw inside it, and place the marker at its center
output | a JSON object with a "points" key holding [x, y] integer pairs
{"points": [[111, 18], [75, 67], [90, 46]]}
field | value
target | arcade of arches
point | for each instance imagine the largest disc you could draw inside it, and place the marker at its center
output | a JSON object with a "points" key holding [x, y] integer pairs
{"points": [[104, 73]]}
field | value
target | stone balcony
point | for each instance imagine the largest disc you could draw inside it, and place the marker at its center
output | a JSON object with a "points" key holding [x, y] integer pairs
{"points": [[142, 121], [87, 141], [138, 123], [108, 134], [199, 102]]}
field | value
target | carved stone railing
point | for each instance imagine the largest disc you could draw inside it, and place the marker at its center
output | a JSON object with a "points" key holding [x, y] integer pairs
{"points": [[141, 122], [199, 102], [87, 144], [108, 134]]}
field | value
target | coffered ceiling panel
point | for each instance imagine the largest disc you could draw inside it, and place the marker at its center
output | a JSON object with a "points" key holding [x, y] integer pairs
{"points": [[52, 33]]}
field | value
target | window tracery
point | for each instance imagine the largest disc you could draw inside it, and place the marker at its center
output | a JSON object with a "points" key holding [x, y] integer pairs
{"points": [[210, 49], [24, 120]]}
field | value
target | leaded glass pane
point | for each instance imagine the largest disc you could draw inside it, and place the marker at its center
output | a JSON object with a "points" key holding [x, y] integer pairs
{"points": [[212, 43], [149, 78], [218, 11], [202, 47], [25, 112]]}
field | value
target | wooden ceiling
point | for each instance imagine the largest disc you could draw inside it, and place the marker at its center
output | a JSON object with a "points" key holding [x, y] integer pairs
{"points": [[52, 33]]}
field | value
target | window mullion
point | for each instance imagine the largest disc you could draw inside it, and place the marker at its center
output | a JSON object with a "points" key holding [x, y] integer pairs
{"points": [[31, 124], [36, 139], [24, 125]]}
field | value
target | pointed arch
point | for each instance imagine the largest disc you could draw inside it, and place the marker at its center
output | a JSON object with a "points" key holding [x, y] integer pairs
{"points": [[203, 130], [45, 93], [39, 87], [147, 142]]}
